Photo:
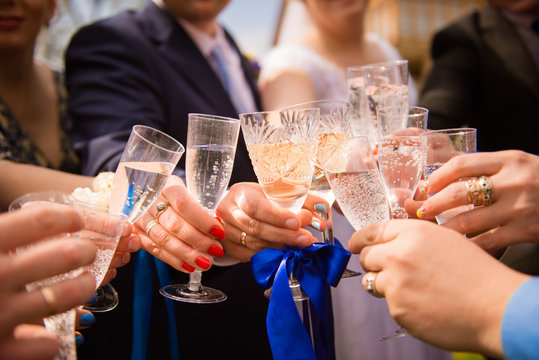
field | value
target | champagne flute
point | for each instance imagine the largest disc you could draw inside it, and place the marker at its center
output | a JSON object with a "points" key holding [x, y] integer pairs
{"points": [[282, 149], [356, 182], [147, 161], [335, 126], [211, 148], [373, 86], [400, 154], [100, 227], [441, 146]]}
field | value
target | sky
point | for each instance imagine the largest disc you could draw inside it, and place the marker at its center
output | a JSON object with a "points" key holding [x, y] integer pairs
{"points": [[252, 23]]}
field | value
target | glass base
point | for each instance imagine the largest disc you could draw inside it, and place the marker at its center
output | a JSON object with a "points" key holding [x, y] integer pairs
{"points": [[400, 332], [107, 300], [297, 292], [182, 292], [350, 273]]}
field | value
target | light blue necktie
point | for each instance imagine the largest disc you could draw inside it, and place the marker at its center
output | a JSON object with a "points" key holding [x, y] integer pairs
{"points": [[219, 58]]}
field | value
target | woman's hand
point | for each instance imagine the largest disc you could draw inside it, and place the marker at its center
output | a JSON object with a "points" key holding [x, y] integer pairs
{"points": [[184, 234], [19, 229], [513, 216], [252, 223], [439, 285]]}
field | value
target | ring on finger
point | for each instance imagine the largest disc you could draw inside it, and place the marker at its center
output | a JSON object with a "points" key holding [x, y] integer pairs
{"points": [[161, 208], [370, 277], [50, 299], [150, 225], [242, 238], [479, 191]]}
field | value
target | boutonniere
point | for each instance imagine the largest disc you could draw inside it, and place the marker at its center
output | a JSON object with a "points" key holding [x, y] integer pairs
{"points": [[254, 65]]}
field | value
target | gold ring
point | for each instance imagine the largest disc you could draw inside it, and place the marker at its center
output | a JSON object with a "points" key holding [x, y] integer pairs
{"points": [[161, 208], [50, 299], [371, 284], [242, 238], [479, 191], [150, 225]]}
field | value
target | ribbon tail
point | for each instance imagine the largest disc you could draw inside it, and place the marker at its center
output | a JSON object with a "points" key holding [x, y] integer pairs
{"points": [[323, 330], [286, 332]]}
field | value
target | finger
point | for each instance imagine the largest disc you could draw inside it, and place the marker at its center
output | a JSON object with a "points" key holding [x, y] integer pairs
{"points": [[479, 219], [25, 226], [251, 203], [464, 166], [183, 203], [83, 319], [29, 342], [374, 234], [178, 227], [378, 283], [26, 307], [119, 259], [172, 250], [50, 258], [251, 242], [109, 275], [129, 243], [374, 257], [454, 197]]}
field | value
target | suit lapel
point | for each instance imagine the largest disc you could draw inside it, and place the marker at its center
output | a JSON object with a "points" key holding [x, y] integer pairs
{"points": [[507, 44], [178, 49]]}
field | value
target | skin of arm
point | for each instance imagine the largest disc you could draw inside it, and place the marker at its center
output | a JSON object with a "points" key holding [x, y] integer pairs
{"points": [[18, 179], [288, 88]]}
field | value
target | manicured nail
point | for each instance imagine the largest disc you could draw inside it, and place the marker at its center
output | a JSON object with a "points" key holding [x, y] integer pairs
{"points": [[314, 178], [203, 262], [316, 225], [217, 232], [421, 212], [188, 267], [424, 187], [86, 319], [292, 224], [219, 219], [321, 208], [92, 300], [216, 251], [79, 339]]}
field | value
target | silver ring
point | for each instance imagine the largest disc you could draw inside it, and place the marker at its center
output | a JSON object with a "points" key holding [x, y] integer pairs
{"points": [[161, 208], [50, 299], [150, 225], [242, 238], [370, 277]]}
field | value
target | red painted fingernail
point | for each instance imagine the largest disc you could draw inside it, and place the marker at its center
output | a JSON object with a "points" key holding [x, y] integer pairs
{"points": [[216, 251], [188, 267], [203, 262], [219, 219], [217, 232]]}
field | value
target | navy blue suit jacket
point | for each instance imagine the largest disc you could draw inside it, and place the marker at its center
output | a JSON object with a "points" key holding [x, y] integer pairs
{"points": [[141, 67]]}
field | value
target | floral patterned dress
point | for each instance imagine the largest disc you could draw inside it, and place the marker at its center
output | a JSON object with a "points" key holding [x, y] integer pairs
{"points": [[17, 146]]}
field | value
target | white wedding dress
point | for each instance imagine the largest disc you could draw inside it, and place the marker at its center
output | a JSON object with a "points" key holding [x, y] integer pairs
{"points": [[360, 319]]}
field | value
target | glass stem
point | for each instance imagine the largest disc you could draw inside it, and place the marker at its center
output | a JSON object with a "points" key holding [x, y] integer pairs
{"points": [[195, 279]]}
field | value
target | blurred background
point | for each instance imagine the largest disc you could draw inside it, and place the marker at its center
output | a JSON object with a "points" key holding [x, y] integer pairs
{"points": [[257, 25]]}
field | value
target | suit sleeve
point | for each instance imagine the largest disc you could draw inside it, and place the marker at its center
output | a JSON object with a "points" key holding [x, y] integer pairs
{"points": [[110, 90], [451, 87]]}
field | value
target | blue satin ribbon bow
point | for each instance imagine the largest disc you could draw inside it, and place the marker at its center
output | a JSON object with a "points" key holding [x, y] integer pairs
{"points": [[315, 267]]}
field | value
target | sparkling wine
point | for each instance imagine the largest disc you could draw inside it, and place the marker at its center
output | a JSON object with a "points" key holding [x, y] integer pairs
{"points": [[136, 186], [208, 169], [105, 252], [361, 196], [284, 171]]}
